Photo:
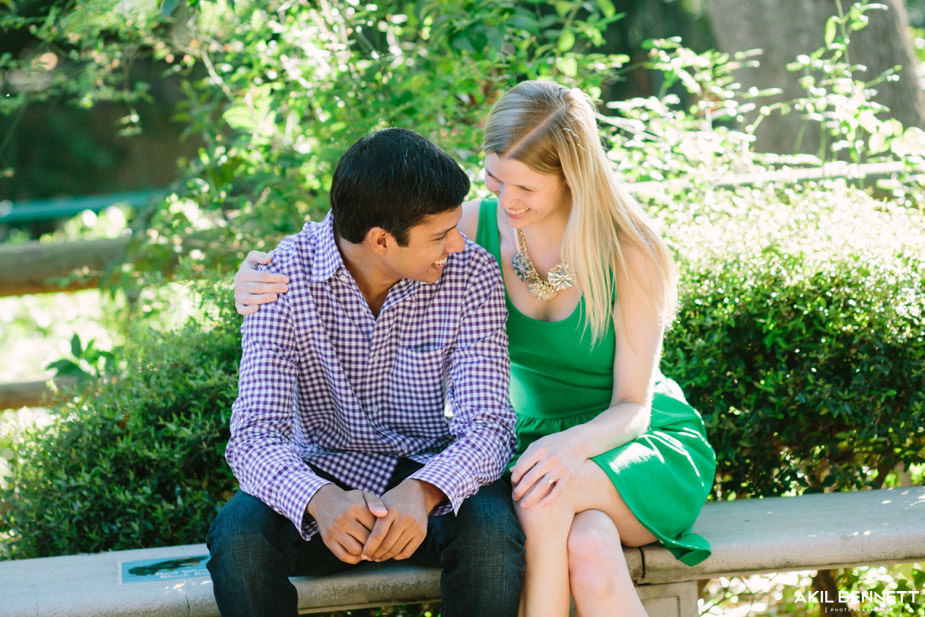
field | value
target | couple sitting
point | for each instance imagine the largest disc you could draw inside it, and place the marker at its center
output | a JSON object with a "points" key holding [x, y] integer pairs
{"points": [[385, 315]]}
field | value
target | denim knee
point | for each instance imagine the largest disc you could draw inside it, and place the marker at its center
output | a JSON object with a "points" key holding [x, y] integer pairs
{"points": [[483, 559], [250, 559], [486, 524], [247, 530]]}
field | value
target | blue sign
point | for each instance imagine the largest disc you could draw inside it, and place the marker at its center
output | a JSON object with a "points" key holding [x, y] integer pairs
{"points": [[170, 568]]}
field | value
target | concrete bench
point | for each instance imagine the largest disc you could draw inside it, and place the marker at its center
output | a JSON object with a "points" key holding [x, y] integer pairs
{"points": [[748, 536]]}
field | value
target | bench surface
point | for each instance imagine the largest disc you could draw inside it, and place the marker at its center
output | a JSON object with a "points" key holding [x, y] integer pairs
{"points": [[747, 536]]}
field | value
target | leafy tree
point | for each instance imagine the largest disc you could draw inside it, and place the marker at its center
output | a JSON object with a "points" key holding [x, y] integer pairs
{"points": [[275, 91]]}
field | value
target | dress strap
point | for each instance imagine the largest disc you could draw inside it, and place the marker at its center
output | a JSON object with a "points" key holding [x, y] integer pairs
{"points": [[486, 235]]}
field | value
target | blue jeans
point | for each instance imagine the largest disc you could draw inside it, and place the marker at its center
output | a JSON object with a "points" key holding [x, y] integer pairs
{"points": [[254, 551]]}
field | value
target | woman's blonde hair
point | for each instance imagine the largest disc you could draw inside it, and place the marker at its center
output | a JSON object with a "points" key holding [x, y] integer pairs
{"points": [[553, 130]]}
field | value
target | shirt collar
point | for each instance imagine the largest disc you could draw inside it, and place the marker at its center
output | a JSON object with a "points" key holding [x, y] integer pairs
{"points": [[327, 259]]}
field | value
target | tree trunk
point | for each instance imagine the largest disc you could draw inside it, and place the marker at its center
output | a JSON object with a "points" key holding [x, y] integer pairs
{"points": [[783, 29], [830, 603]]}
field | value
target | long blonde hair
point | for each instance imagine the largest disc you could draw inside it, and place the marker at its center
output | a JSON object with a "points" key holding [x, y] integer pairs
{"points": [[553, 130]]}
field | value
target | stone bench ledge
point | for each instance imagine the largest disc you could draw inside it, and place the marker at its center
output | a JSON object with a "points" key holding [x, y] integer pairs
{"points": [[809, 532], [748, 536]]}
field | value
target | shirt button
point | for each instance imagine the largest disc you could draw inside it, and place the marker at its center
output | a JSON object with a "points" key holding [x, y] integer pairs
{"points": [[343, 276]]}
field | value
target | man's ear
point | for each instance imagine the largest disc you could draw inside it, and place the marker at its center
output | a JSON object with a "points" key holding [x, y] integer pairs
{"points": [[378, 240]]}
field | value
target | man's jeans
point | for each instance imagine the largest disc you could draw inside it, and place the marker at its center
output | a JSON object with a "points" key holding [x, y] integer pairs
{"points": [[254, 551]]}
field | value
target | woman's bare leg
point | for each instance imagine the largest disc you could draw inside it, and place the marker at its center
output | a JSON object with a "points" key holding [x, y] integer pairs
{"points": [[545, 590], [598, 574], [548, 528]]}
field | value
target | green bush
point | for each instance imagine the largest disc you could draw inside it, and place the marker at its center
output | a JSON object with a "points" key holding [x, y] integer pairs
{"points": [[136, 461], [799, 337]]}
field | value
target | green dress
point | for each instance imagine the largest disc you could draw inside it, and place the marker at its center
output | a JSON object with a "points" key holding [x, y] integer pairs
{"points": [[559, 379]]}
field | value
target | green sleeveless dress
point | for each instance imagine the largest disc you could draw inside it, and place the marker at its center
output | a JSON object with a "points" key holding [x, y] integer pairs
{"points": [[559, 379]]}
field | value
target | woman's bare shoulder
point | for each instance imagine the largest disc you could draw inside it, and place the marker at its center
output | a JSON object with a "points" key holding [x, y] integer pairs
{"points": [[469, 221]]}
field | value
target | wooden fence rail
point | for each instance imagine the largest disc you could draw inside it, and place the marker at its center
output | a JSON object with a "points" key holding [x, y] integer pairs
{"points": [[31, 393], [40, 267]]}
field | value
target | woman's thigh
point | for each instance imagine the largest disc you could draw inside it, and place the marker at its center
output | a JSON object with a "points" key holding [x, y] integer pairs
{"points": [[591, 489]]}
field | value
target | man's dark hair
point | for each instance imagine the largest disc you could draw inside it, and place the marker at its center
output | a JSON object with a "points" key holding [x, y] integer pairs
{"points": [[392, 179]]}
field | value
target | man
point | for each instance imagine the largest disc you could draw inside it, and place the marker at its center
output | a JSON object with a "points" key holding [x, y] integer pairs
{"points": [[339, 436]]}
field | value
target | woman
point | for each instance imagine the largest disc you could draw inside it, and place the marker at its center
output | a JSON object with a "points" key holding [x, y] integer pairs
{"points": [[608, 452]]}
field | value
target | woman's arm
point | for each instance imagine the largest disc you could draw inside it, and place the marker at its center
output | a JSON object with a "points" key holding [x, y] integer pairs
{"points": [[638, 326], [253, 287]]}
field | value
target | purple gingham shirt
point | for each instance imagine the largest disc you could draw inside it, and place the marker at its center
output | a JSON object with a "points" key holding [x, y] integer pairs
{"points": [[324, 381]]}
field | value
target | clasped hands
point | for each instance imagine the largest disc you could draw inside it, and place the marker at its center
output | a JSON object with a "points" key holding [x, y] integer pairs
{"points": [[359, 526]]}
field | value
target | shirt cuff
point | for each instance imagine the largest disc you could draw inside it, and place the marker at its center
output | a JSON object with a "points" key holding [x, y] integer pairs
{"points": [[297, 491], [456, 486]]}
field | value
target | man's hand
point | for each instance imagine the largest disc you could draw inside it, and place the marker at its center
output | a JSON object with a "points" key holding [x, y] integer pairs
{"points": [[398, 534], [345, 519]]}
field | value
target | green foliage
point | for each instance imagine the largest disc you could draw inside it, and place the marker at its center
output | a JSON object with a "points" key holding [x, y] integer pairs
{"points": [[890, 591], [804, 351], [136, 461], [276, 91], [295, 87], [86, 361], [836, 99]]}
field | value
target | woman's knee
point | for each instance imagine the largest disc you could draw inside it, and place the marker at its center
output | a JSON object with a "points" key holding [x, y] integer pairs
{"points": [[595, 554], [546, 521]]}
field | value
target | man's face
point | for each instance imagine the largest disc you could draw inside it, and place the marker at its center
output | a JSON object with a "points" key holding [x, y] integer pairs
{"points": [[429, 244]]}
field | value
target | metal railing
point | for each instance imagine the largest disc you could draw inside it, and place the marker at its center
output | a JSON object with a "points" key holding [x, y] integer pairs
{"points": [[12, 212]]}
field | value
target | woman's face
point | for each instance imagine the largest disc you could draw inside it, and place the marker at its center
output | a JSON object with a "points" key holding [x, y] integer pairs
{"points": [[526, 196]]}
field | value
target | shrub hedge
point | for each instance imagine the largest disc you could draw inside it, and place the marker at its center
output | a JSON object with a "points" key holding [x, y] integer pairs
{"points": [[138, 462], [798, 335], [799, 338]]}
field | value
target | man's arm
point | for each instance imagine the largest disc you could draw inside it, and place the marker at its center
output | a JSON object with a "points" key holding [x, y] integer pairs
{"points": [[482, 422], [259, 450], [261, 453]]}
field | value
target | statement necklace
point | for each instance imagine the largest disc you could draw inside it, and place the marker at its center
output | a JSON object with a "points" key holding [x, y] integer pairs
{"points": [[559, 277]]}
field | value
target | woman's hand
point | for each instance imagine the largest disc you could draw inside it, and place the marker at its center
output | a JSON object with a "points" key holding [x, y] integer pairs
{"points": [[546, 467], [253, 288]]}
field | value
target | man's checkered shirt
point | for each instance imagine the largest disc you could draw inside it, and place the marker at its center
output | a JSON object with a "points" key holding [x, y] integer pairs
{"points": [[324, 381]]}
